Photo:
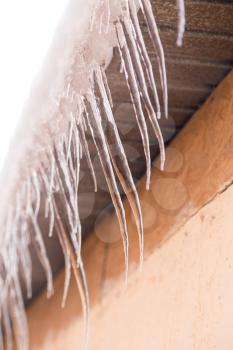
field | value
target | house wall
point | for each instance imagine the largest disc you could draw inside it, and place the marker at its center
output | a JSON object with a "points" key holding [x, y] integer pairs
{"points": [[182, 298]]}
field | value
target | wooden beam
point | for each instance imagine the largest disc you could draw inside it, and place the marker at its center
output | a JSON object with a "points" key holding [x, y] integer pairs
{"points": [[199, 166]]}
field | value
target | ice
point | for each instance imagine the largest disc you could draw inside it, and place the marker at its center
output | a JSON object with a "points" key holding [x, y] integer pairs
{"points": [[93, 117], [53, 186], [119, 160], [181, 22], [155, 38], [41, 252], [83, 140], [130, 76], [127, 28]]}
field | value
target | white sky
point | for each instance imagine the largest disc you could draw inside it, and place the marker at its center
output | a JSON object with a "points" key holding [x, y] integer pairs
{"points": [[26, 30]]}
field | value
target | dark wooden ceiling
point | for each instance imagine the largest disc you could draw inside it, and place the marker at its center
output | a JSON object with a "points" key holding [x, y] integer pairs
{"points": [[193, 72]]}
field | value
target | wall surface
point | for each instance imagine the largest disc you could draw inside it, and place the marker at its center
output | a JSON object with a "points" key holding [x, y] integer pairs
{"points": [[181, 300], [183, 297]]}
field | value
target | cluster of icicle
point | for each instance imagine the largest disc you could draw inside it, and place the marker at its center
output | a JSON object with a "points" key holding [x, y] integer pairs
{"points": [[52, 189]]}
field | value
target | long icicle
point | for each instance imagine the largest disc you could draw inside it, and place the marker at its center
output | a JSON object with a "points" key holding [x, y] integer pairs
{"points": [[11, 290], [18, 317], [80, 277], [120, 163], [74, 166], [144, 54], [25, 259], [84, 142], [66, 253], [49, 188], [142, 87], [50, 192], [41, 251], [135, 96], [94, 122], [181, 22], [8, 336], [23, 241], [70, 194], [39, 242], [155, 38], [67, 257], [67, 260]]}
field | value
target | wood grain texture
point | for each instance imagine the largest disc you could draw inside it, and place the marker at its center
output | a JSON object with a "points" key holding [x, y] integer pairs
{"points": [[202, 16], [214, 47], [199, 167]]}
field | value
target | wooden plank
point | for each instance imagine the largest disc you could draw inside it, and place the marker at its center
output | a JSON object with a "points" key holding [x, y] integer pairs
{"points": [[185, 72], [179, 96], [177, 116], [195, 73], [196, 46], [192, 178], [202, 16]]}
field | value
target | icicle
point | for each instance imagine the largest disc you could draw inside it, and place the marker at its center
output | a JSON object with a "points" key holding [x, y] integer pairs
{"points": [[144, 54], [21, 329], [70, 198], [23, 244], [107, 87], [41, 251], [8, 255], [70, 136], [8, 336], [77, 150], [80, 277], [39, 243], [120, 162], [25, 240], [135, 96], [67, 277], [84, 142], [94, 122], [67, 259], [75, 173], [64, 191], [37, 193], [18, 317], [52, 220], [181, 22], [154, 34], [25, 259], [142, 87], [49, 186], [45, 180]]}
